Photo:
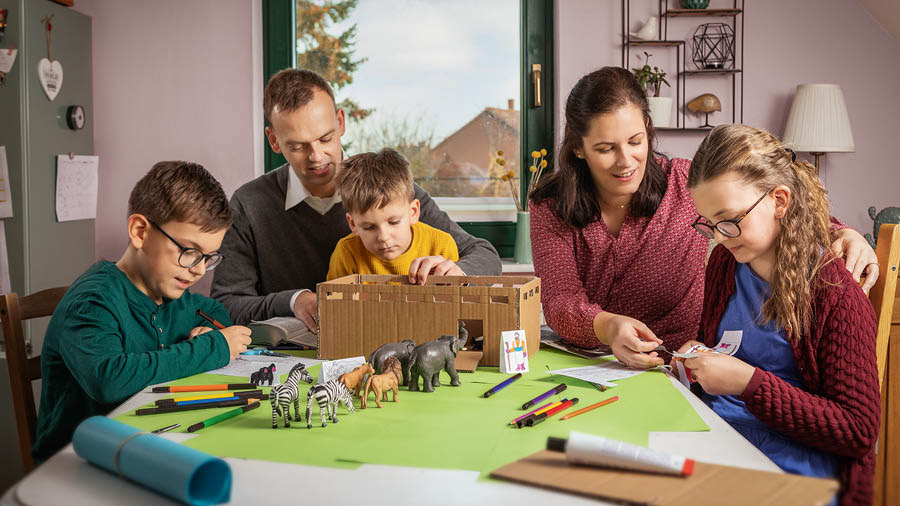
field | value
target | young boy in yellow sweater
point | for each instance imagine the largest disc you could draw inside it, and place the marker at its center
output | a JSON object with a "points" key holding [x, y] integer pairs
{"points": [[387, 237]]}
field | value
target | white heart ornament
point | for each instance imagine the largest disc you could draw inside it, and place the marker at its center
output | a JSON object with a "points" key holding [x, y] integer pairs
{"points": [[51, 77]]}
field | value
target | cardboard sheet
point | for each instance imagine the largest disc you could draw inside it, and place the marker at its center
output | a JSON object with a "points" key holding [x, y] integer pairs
{"points": [[709, 485], [452, 428], [467, 361]]}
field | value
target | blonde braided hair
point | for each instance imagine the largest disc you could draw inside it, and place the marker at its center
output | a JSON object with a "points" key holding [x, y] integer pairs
{"points": [[802, 246]]}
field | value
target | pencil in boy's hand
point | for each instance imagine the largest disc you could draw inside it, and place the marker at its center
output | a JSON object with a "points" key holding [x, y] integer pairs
{"points": [[592, 406], [210, 319]]}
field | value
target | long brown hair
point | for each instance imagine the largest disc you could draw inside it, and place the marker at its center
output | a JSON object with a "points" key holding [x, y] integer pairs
{"points": [[571, 187], [802, 247]]}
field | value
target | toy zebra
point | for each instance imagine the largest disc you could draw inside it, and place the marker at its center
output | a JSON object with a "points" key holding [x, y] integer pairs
{"points": [[328, 395], [281, 396]]}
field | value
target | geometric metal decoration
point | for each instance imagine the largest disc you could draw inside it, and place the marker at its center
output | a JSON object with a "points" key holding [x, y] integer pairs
{"points": [[713, 46]]}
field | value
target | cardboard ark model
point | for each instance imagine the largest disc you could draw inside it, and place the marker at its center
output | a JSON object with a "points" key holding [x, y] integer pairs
{"points": [[359, 313]]}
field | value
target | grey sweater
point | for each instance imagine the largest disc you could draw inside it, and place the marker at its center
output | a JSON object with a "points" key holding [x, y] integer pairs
{"points": [[271, 253]]}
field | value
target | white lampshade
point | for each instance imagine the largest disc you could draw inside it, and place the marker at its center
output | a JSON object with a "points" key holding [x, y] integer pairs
{"points": [[818, 121]]}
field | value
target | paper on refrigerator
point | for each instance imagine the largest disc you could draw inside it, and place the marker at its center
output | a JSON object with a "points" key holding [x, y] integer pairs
{"points": [[76, 187]]}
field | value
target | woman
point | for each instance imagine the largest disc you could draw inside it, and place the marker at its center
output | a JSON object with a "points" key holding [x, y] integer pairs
{"points": [[610, 230]]}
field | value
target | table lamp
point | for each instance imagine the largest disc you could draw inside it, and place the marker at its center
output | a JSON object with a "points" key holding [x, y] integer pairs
{"points": [[818, 122]]}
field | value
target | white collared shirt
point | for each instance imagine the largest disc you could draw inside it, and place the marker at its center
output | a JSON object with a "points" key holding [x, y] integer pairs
{"points": [[297, 193]]}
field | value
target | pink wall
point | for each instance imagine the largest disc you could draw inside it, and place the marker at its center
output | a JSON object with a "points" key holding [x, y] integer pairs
{"points": [[172, 81], [786, 43]]}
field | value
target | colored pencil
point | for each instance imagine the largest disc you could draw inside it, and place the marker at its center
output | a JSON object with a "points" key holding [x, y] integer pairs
{"points": [[526, 415], [204, 388], [502, 385], [206, 405], [547, 414], [592, 406], [521, 423], [555, 390], [210, 319], [224, 416], [221, 396]]}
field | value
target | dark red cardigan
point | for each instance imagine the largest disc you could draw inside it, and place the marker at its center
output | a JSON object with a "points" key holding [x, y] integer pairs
{"points": [[838, 410]]}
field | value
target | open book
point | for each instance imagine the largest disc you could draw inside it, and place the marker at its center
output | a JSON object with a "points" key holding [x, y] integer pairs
{"points": [[285, 329]]}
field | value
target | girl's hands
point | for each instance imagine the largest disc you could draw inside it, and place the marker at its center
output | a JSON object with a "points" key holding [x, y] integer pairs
{"points": [[720, 374]]}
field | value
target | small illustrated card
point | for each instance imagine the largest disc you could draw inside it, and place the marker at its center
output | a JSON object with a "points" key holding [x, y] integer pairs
{"points": [[694, 351], [730, 342], [333, 369], [513, 352]]}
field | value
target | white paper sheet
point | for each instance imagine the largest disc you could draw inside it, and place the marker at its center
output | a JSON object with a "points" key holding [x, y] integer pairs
{"points": [[334, 368], [6, 210], [76, 187], [245, 365], [5, 285], [603, 373]]}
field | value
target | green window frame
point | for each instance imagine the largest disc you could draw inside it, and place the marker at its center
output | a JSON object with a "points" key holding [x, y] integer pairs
{"points": [[536, 47]]}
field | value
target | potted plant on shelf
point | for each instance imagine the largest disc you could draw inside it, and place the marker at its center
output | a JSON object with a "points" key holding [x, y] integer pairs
{"points": [[654, 77]]}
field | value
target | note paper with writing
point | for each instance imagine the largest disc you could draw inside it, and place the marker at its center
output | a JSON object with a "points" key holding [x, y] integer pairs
{"points": [[76, 187]]}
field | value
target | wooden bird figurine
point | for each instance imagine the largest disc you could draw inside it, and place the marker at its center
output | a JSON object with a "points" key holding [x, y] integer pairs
{"points": [[648, 31], [705, 103]]}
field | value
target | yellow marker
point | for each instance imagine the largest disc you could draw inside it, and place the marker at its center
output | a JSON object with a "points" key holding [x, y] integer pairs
{"points": [[225, 395], [548, 408]]}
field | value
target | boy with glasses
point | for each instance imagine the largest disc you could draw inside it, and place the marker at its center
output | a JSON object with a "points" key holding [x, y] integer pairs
{"points": [[126, 325]]}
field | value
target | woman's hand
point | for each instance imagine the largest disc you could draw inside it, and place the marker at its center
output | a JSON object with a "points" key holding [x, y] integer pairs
{"points": [[720, 374], [630, 340], [858, 256]]}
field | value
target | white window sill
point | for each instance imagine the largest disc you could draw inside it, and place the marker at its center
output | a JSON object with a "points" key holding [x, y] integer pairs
{"points": [[478, 208]]}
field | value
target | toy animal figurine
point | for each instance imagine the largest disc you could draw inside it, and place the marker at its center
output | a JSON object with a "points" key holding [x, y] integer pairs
{"points": [[427, 360], [463, 334], [886, 215], [281, 396], [399, 350], [264, 374], [381, 383], [328, 395], [705, 103], [353, 380]]}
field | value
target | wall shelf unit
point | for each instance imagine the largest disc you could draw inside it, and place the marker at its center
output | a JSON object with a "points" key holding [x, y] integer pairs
{"points": [[664, 13]]}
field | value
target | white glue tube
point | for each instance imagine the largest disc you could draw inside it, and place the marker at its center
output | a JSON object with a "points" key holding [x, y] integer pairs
{"points": [[591, 450]]}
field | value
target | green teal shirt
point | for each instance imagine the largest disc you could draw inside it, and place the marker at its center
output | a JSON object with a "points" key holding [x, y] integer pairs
{"points": [[107, 340]]}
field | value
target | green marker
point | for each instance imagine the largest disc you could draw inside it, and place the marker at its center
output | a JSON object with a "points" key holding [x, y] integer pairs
{"points": [[224, 416]]}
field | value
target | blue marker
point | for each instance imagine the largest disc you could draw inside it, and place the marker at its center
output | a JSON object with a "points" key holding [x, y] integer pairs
{"points": [[501, 386]]}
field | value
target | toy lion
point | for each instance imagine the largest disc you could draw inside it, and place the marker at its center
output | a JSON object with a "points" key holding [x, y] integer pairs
{"points": [[353, 380], [381, 383]]}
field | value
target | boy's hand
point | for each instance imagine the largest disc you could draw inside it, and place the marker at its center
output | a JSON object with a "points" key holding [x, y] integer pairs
{"points": [[631, 341], [422, 267], [238, 337], [196, 331], [720, 374], [306, 309]]}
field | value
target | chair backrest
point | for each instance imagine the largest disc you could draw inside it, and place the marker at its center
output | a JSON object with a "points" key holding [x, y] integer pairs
{"points": [[884, 299], [24, 370]]}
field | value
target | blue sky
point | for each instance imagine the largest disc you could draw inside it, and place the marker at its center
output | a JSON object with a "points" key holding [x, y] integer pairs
{"points": [[443, 61]]}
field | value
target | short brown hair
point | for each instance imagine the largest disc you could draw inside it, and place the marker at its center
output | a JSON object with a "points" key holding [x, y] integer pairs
{"points": [[181, 191], [370, 180], [291, 89]]}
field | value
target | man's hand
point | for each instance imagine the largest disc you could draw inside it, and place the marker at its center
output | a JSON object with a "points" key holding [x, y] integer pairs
{"points": [[858, 256], [720, 374], [238, 337], [629, 339], [196, 331], [306, 309], [422, 267]]}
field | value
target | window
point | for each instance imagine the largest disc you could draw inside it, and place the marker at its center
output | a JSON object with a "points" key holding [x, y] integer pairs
{"points": [[443, 82]]}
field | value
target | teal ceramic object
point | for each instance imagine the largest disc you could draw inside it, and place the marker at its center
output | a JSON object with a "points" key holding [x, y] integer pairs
{"points": [[886, 215], [695, 4], [523, 238]]}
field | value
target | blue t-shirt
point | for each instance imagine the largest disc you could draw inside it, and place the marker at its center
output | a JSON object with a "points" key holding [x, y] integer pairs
{"points": [[765, 346]]}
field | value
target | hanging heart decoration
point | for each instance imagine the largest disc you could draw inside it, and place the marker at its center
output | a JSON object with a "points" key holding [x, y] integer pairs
{"points": [[50, 72]]}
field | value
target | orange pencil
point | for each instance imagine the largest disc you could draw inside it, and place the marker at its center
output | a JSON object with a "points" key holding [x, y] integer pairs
{"points": [[204, 388], [592, 406]]}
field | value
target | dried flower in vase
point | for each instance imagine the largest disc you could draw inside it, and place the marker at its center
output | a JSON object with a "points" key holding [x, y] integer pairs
{"points": [[510, 177]]}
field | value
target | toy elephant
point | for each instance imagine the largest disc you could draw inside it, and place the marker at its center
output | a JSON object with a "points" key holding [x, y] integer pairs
{"points": [[886, 215], [399, 350], [428, 359]]}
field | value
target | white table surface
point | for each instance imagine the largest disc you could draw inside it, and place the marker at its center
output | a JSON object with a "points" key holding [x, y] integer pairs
{"points": [[66, 479]]}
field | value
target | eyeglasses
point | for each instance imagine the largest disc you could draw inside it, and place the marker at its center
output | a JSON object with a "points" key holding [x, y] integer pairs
{"points": [[728, 228], [190, 257]]}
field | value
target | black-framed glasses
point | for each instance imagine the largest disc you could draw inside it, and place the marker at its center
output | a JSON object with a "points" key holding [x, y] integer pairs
{"points": [[190, 257], [728, 228]]}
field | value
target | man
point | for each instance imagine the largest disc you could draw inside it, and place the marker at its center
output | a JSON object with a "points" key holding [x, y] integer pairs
{"points": [[287, 222]]}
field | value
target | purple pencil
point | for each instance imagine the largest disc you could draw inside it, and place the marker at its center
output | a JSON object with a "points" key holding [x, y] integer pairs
{"points": [[526, 415]]}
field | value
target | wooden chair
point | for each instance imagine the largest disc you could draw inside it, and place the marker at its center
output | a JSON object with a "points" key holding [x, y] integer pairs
{"points": [[24, 370], [887, 309]]}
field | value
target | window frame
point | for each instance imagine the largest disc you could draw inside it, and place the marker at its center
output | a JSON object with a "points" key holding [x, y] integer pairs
{"points": [[536, 31]]}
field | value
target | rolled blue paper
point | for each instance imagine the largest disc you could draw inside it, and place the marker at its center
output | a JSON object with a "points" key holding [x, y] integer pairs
{"points": [[179, 472]]}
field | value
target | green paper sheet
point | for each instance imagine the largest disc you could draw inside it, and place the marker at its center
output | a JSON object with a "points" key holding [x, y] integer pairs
{"points": [[452, 428]]}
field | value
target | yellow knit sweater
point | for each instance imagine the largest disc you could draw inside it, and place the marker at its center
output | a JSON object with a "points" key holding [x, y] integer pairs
{"points": [[351, 257]]}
